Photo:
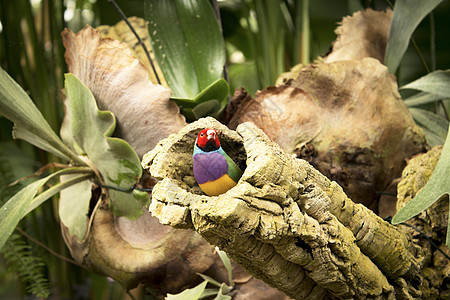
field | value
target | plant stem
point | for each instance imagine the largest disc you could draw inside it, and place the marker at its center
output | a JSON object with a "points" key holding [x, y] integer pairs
{"points": [[42, 245], [419, 53], [305, 33], [432, 42], [124, 17]]}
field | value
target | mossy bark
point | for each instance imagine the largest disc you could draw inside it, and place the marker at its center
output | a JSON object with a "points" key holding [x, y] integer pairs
{"points": [[284, 221]]}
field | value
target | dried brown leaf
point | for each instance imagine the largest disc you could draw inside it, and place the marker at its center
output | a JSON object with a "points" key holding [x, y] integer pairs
{"points": [[120, 84]]}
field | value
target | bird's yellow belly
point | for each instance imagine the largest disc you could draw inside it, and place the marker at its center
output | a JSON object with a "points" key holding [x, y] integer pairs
{"points": [[218, 186]]}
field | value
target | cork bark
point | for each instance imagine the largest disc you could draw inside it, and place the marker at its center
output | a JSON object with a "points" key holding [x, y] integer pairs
{"points": [[284, 221]]}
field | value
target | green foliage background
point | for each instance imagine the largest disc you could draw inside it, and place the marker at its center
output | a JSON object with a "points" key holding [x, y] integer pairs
{"points": [[31, 52]]}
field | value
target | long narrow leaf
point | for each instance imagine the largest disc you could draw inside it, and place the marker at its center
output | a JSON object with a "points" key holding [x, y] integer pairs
{"points": [[227, 263], [422, 98], [30, 125], [407, 16], [433, 122], [437, 82], [437, 186], [56, 189], [19, 205], [187, 43]]}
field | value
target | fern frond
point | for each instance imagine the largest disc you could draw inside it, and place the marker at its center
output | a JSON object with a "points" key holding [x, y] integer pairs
{"points": [[29, 267], [19, 255]]}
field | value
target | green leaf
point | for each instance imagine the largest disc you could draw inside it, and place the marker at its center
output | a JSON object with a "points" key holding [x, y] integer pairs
{"points": [[189, 294], [74, 206], [38, 200], [210, 280], [432, 138], [227, 263], [437, 82], [437, 186], [188, 44], [422, 98], [19, 205], [116, 161], [211, 101], [432, 122], [407, 16], [224, 289], [29, 124], [208, 293]]}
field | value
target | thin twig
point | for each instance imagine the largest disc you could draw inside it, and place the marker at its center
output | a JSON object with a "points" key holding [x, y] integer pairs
{"points": [[225, 71], [426, 237], [419, 53], [125, 190], [124, 17], [39, 172], [131, 295], [57, 255]]}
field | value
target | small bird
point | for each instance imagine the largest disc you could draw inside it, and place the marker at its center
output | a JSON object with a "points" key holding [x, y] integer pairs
{"points": [[214, 170]]}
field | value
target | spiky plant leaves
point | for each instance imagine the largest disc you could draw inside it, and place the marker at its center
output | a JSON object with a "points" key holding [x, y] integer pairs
{"points": [[29, 124]]}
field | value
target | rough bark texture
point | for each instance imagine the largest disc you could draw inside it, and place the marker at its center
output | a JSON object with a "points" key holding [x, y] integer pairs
{"points": [[346, 118], [432, 222], [284, 222]]}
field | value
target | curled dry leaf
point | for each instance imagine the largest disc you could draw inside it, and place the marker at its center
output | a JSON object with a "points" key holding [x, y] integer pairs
{"points": [[364, 34], [346, 118], [122, 32], [120, 84], [166, 260]]}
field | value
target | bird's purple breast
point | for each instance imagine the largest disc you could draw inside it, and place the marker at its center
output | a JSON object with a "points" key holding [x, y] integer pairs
{"points": [[209, 166]]}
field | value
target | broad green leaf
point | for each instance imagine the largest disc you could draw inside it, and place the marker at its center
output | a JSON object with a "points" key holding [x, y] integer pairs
{"points": [[211, 101], [189, 294], [437, 186], [422, 98], [437, 82], [432, 122], [187, 43], [19, 205], [29, 124], [74, 206], [116, 161], [207, 108], [407, 16], [227, 263]]}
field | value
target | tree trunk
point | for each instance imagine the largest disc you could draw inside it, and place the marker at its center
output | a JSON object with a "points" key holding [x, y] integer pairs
{"points": [[290, 226]]}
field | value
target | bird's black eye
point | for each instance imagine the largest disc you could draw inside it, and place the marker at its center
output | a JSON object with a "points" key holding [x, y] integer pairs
{"points": [[201, 134]]}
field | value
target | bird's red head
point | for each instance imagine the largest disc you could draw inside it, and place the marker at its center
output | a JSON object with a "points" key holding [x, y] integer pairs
{"points": [[207, 140]]}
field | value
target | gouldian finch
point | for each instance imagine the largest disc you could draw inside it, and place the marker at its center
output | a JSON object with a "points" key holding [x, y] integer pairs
{"points": [[214, 170]]}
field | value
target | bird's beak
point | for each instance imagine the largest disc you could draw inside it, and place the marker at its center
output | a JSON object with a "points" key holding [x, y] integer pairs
{"points": [[211, 135]]}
